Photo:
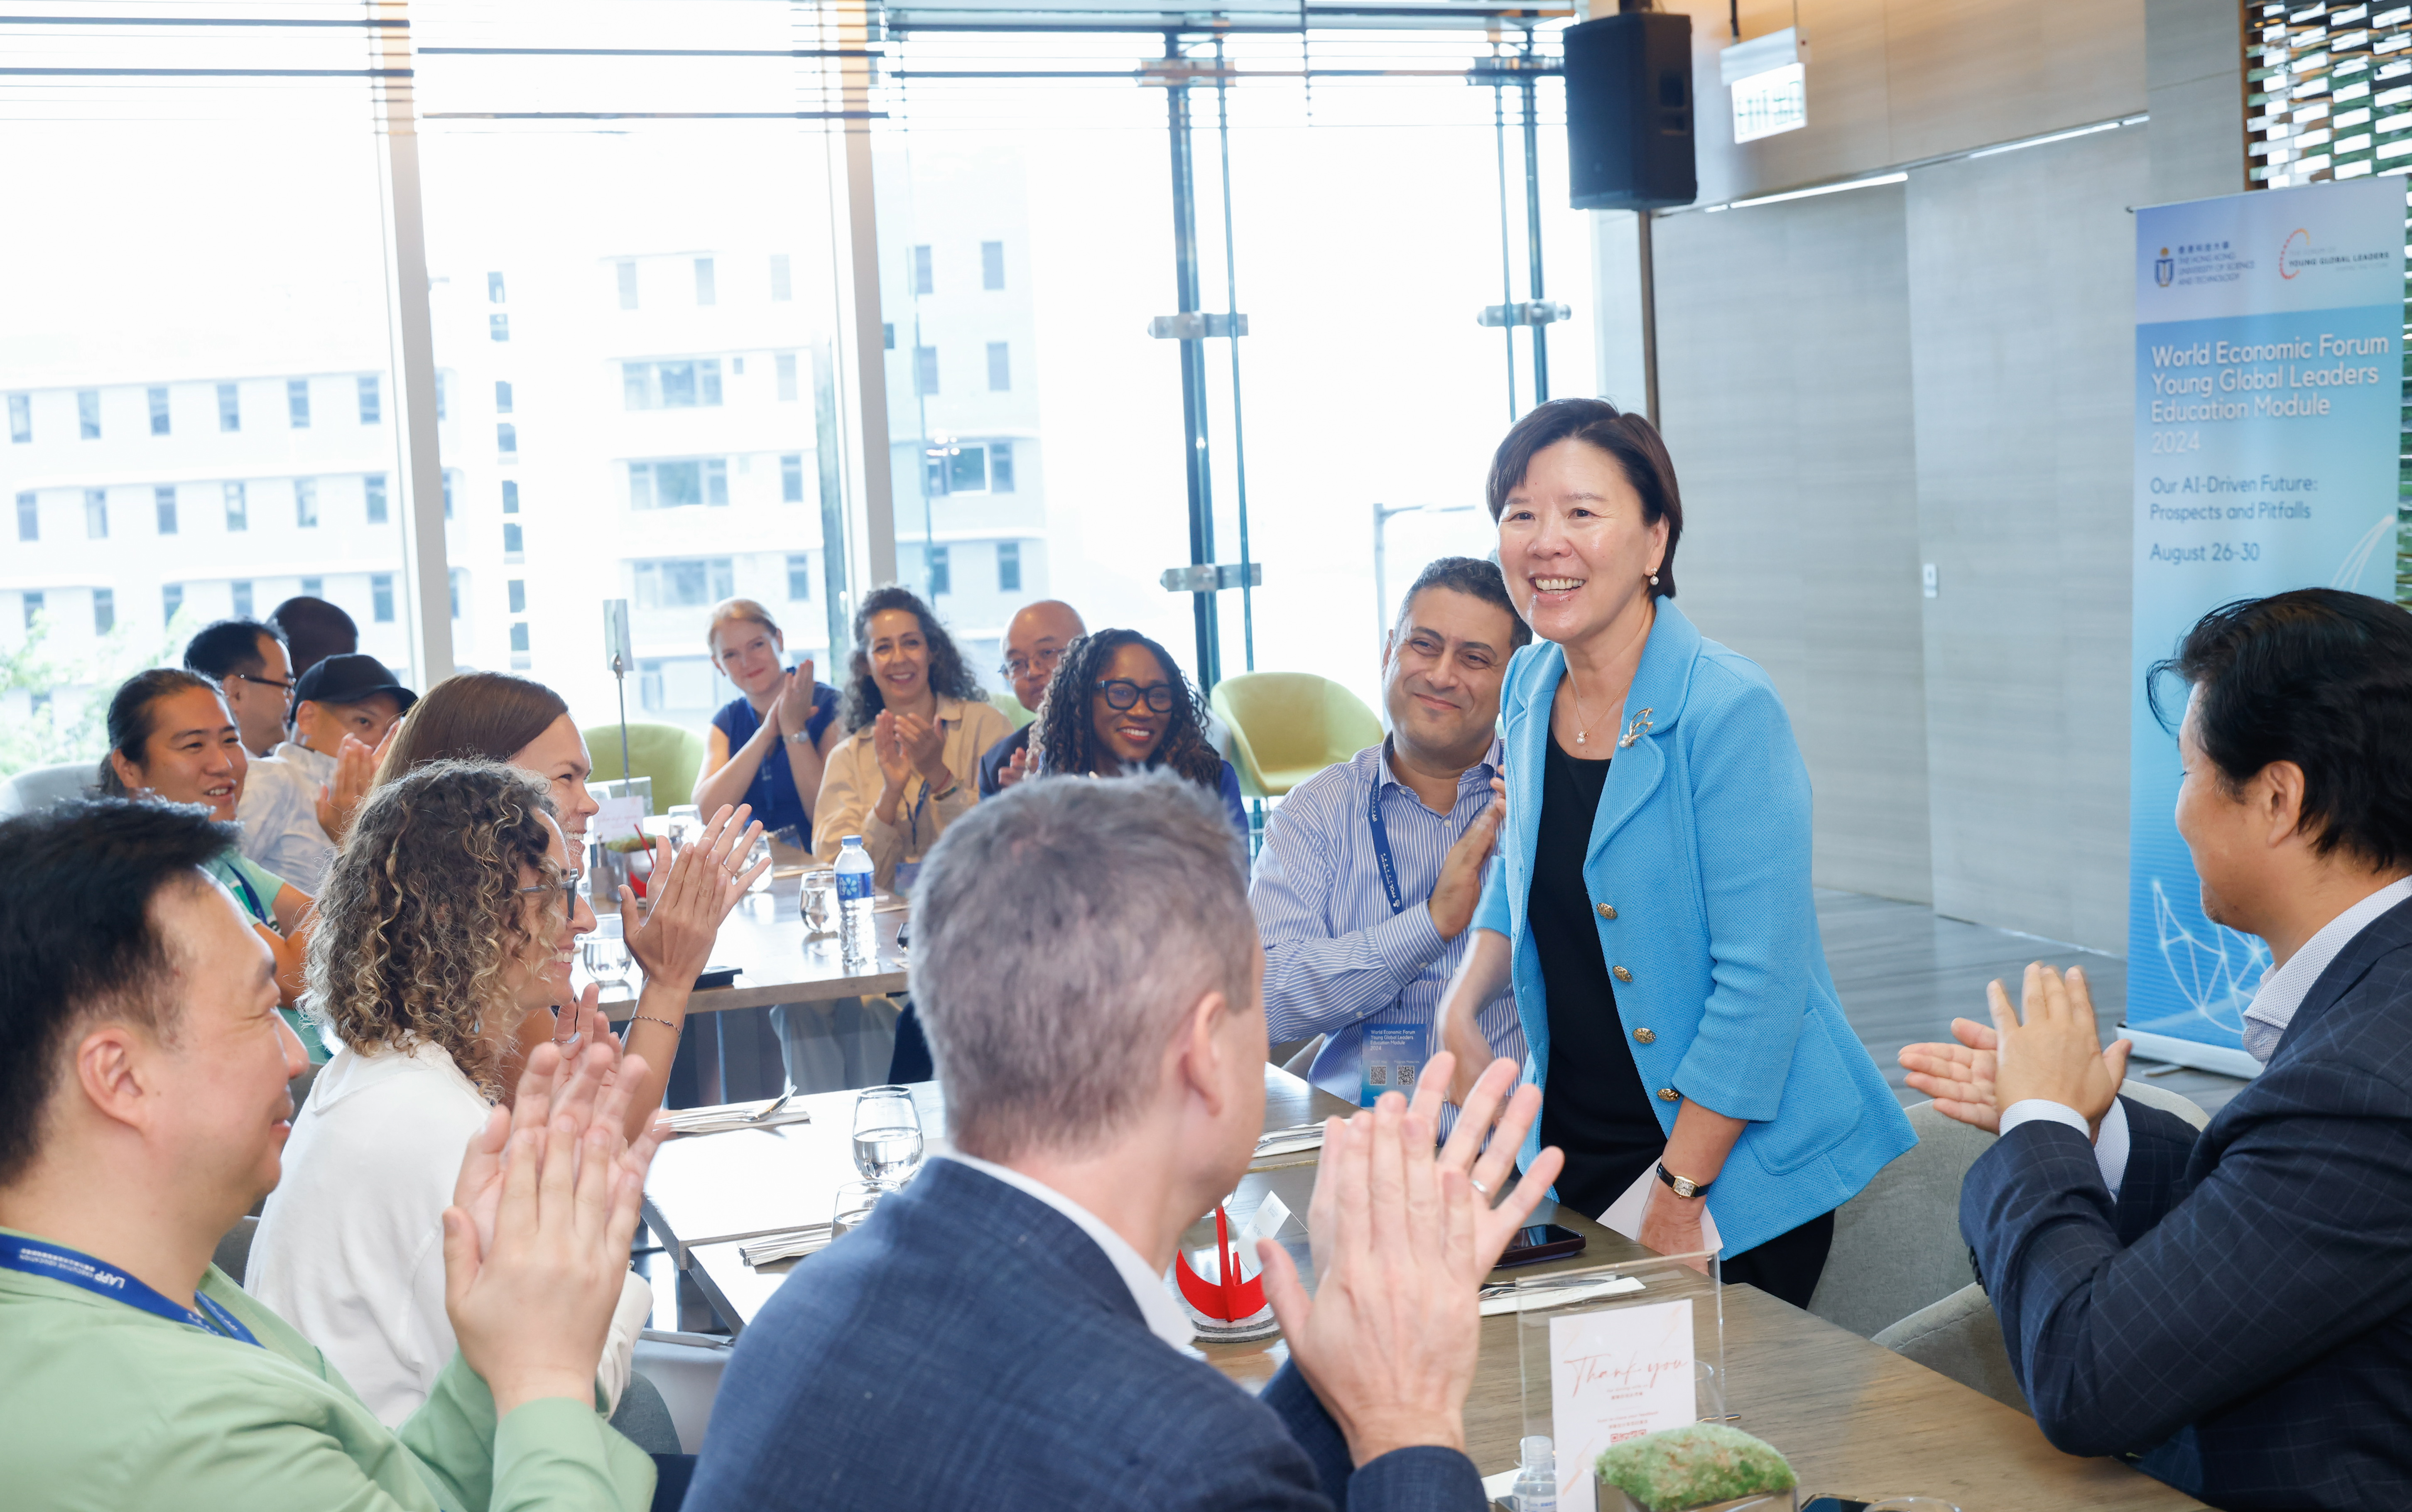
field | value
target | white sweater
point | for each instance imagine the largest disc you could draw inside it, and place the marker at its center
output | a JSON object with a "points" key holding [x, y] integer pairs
{"points": [[350, 1247]]}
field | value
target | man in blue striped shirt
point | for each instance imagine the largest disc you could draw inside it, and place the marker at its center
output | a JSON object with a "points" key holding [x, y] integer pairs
{"points": [[1360, 951]]}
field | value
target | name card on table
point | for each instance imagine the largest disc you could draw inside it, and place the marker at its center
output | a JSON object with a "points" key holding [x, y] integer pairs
{"points": [[1616, 1374], [619, 818]]}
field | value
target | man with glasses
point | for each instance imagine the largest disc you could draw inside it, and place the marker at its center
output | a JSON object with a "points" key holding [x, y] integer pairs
{"points": [[246, 660], [1034, 643]]}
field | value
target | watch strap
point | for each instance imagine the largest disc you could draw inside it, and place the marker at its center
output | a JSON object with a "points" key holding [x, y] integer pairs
{"points": [[1680, 1187]]}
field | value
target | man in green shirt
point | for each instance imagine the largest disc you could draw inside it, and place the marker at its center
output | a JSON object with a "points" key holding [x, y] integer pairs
{"points": [[143, 1111]]}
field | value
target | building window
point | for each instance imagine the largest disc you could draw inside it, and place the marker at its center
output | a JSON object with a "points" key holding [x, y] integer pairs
{"points": [[782, 287], [941, 579], [518, 587], [1009, 566], [791, 477], [238, 507], [787, 362], [453, 581], [705, 290], [510, 496], [502, 397], [242, 587], [934, 472], [306, 504], [313, 587], [297, 402], [494, 288], [967, 470], [1000, 467], [887, 335], [447, 494], [992, 265], [29, 518], [373, 399], [171, 602], [799, 577], [88, 413], [33, 606], [925, 370], [163, 499], [95, 514], [689, 583], [520, 637], [20, 418], [514, 540], [443, 394], [374, 487], [1000, 367], [671, 385], [628, 273], [498, 327], [506, 438], [158, 398], [922, 282], [649, 686], [381, 597], [104, 610], [673, 485], [230, 407]]}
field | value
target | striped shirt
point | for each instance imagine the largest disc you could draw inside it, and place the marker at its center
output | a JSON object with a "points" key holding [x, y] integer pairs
{"points": [[1336, 957]]}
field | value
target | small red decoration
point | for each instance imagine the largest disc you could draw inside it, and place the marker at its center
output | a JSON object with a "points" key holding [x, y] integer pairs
{"points": [[1229, 1299]]}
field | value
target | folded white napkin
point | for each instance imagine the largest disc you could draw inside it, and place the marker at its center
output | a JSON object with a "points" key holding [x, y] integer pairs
{"points": [[1501, 1298], [729, 1116], [790, 1246]]}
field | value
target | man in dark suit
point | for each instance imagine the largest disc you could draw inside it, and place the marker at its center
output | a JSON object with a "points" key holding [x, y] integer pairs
{"points": [[999, 1335], [2232, 1308]]}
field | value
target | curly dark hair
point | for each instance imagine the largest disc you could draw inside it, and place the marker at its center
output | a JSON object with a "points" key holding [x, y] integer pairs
{"points": [[949, 677], [421, 916], [1065, 734]]}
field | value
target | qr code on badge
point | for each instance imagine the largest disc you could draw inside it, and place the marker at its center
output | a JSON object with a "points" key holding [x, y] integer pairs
{"points": [[1406, 1075], [1379, 1076]]}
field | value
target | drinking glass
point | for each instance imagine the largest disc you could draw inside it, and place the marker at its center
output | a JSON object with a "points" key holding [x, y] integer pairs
{"points": [[686, 823], [606, 949], [818, 902], [761, 853], [855, 1200], [886, 1134]]}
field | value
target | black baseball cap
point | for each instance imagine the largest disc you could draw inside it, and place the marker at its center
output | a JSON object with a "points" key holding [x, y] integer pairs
{"points": [[349, 679]]}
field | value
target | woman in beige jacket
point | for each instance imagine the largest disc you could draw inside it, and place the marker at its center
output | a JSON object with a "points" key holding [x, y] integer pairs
{"points": [[917, 725]]}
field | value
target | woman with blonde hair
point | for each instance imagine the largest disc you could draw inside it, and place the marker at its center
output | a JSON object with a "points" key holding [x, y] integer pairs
{"points": [[451, 916], [767, 746]]}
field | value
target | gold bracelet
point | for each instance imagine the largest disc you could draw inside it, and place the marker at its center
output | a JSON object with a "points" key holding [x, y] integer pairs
{"points": [[647, 1018]]}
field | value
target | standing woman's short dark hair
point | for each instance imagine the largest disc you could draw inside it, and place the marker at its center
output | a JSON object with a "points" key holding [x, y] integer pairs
{"points": [[949, 677], [2321, 678], [1632, 440], [1065, 738], [132, 718], [471, 716]]}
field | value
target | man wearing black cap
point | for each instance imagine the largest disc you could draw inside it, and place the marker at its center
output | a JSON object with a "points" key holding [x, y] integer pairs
{"points": [[296, 804]]}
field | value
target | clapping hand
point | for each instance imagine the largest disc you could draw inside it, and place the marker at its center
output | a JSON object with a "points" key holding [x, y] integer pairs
{"points": [[1017, 767], [887, 746], [1960, 1077], [691, 892], [2056, 1054], [356, 765], [792, 705]]}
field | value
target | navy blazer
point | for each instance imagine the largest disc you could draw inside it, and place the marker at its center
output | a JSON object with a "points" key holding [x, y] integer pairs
{"points": [[993, 760], [2240, 1318], [971, 1348]]}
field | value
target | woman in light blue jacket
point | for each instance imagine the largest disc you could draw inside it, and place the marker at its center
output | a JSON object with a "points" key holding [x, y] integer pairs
{"points": [[1651, 901]]}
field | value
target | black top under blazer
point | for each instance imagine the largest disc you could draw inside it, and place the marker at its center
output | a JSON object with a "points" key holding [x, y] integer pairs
{"points": [[970, 1347], [2240, 1319]]}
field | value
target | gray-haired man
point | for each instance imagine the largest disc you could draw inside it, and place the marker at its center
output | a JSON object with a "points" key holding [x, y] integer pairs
{"points": [[999, 1334]]}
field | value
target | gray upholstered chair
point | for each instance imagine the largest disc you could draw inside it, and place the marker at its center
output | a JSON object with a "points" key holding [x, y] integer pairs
{"points": [[1897, 1244], [234, 1250], [644, 1418], [684, 1368], [38, 787]]}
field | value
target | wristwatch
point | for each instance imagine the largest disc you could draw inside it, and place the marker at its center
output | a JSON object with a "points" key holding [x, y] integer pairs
{"points": [[1680, 1187], [799, 738]]}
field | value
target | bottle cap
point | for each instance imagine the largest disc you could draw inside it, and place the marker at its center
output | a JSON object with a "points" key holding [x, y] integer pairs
{"points": [[849, 839], [1538, 1451]]}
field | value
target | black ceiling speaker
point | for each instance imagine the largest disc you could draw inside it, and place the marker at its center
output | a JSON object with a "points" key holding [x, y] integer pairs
{"points": [[1629, 111]]}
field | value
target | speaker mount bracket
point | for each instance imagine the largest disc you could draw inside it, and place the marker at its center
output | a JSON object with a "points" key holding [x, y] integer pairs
{"points": [[1197, 325], [1524, 313], [1212, 577]]}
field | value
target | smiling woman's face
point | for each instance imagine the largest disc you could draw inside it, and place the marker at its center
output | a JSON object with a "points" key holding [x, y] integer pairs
{"points": [[541, 978], [900, 655], [1575, 544], [194, 756], [1130, 735], [750, 654]]}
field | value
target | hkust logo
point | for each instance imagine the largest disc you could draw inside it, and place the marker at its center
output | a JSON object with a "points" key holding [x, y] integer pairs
{"points": [[2292, 253], [2165, 269]]}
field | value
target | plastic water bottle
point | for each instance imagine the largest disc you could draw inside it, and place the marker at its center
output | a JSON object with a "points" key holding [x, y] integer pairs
{"points": [[858, 936], [1536, 1483]]}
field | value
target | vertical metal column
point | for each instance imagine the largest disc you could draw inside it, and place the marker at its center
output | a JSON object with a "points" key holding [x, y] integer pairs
{"points": [[863, 342], [1649, 319], [1193, 364], [1533, 220]]}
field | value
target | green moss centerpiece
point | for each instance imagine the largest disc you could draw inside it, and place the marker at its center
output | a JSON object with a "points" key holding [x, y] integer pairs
{"points": [[1704, 1467]]}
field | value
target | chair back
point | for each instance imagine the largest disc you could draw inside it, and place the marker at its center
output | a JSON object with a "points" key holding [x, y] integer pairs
{"points": [[37, 789], [670, 755], [1287, 726], [234, 1250], [1961, 1337], [1897, 1244]]}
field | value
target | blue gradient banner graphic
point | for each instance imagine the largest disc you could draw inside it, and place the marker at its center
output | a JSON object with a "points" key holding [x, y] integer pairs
{"points": [[2269, 405]]}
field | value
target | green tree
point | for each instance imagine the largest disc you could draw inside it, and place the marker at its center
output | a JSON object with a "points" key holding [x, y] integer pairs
{"points": [[48, 736]]}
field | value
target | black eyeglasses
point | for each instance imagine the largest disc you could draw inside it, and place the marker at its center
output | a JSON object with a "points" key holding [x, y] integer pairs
{"points": [[285, 688], [1013, 668], [567, 886], [1122, 693]]}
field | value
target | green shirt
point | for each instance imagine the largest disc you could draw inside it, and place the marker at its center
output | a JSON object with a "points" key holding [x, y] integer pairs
{"points": [[254, 888], [109, 1408]]}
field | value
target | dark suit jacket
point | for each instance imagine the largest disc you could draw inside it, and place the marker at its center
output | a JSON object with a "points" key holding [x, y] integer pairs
{"points": [[971, 1348], [2241, 1317], [993, 760]]}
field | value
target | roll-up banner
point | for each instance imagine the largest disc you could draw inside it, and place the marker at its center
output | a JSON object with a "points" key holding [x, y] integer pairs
{"points": [[2269, 414]]}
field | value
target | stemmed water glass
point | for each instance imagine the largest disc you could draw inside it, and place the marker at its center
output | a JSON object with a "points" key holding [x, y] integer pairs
{"points": [[886, 1134]]}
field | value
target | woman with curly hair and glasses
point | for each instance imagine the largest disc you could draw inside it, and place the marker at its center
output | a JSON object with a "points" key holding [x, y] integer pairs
{"points": [[1119, 704], [449, 915], [918, 723]]}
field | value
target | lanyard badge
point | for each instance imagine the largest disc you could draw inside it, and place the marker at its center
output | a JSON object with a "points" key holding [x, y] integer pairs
{"points": [[58, 1263]]}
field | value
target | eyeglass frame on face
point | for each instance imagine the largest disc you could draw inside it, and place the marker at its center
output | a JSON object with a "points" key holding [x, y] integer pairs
{"points": [[1012, 668], [1107, 686], [567, 886], [285, 687]]}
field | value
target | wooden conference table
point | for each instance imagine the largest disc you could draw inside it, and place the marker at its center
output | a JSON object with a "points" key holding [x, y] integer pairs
{"points": [[778, 961], [1852, 1416]]}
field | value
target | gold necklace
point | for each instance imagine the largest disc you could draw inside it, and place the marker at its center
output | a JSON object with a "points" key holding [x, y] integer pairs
{"points": [[1583, 723]]}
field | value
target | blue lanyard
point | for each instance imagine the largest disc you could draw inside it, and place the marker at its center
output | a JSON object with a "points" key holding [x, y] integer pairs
{"points": [[59, 1263], [1382, 843], [250, 899]]}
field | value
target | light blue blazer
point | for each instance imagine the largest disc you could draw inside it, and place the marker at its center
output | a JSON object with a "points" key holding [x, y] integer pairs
{"points": [[1701, 844]]}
